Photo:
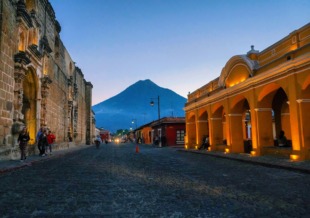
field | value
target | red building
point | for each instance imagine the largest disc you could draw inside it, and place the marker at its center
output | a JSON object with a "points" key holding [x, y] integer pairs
{"points": [[168, 131], [105, 135]]}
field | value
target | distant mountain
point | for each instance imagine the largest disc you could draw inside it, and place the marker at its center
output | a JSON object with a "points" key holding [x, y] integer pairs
{"points": [[133, 104]]}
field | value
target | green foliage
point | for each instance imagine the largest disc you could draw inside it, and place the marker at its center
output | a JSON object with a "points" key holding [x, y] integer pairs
{"points": [[121, 132]]}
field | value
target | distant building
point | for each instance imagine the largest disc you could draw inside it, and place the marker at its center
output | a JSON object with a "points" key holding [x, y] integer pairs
{"points": [[257, 95], [105, 135], [169, 131], [40, 84]]}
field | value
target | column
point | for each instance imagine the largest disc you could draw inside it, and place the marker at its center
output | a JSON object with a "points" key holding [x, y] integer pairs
{"points": [[236, 133], [216, 132], [264, 128], [304, 129], [203, 129]]}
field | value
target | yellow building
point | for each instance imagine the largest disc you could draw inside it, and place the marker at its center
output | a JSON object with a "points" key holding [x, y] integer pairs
{"points": [[257, 95]]}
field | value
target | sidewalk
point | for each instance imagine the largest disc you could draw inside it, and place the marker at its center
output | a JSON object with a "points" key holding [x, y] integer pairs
{"points": [[268, 161], [10, 165]]}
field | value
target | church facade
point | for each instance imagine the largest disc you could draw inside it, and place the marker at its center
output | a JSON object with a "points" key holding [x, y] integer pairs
{"points": [[40, 84], [256, 96]]}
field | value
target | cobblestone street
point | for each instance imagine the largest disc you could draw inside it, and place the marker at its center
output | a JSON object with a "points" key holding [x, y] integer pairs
{"points": [[115, 181]]}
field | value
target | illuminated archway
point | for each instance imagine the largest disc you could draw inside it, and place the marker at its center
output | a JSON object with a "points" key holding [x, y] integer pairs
{"points": [[274, 98], [236, 70], [29, 110], [280, 106], [240, 125]]}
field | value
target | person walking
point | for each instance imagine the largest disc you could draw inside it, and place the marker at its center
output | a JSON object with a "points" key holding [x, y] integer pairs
{"points": [[38, 139], [23, 140], [205, 142], [43, 142], [50, 140]]}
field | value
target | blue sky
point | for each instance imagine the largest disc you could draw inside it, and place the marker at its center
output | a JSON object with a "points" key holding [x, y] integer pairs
{"points": [[178, 44]]}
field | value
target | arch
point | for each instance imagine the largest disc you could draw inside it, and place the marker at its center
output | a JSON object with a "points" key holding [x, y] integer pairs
{"points": [[280, 107], [238, 104], [191, 118], [217, 110], [240, 122], [29, 110], [274, 115], [236, 70], [203, 115], [237, 74], [306, 88], [266, 95]]}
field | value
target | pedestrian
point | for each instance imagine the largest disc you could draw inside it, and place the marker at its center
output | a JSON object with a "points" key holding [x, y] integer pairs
{"points": [[98, 140], [23, 139], [43, 142], [50, 139], [156, 140], [38, 139], [205, 142], [282, 140]]}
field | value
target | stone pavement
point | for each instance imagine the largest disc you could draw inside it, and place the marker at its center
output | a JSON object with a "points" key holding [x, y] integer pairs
{"points": [[266, 160], [269, 161], [9, 165], [115, 181]]}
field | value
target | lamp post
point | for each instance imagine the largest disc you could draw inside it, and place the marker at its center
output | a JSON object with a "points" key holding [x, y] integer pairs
{"points": [[158, 104], [134, 121]]}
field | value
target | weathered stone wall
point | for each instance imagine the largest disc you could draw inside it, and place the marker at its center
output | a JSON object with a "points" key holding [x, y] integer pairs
{"points": [[90, 130], [8, 46], [40, 84]]}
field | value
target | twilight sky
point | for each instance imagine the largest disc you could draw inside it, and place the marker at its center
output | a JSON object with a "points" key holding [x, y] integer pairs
{"points": [[178, 44]]}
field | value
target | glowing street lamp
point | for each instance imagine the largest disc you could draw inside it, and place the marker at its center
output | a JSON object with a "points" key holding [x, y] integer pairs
{"points": [[134, 121], [158, 104]]}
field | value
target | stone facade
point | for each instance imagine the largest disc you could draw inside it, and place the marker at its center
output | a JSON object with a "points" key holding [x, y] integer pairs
{"points": [[40, 85], [256, 96]]}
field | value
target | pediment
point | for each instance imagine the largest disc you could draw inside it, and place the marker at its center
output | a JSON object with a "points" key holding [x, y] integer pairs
{"points": [[237, 69]]}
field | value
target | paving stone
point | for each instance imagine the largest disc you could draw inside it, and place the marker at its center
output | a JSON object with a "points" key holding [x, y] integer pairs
{"points": [[114, 181]]}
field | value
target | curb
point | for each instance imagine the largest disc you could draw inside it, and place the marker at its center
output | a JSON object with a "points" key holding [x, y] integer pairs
{"points": [[254, 162]]}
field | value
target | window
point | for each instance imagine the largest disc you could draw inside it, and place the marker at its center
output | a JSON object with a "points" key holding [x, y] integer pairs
{"points": [[180, 136]]}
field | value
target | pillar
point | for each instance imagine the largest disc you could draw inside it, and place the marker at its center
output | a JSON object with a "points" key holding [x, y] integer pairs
{"points": [[264, 128], [304, 129], [203, 129], [236, 133], [216, 132]]}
